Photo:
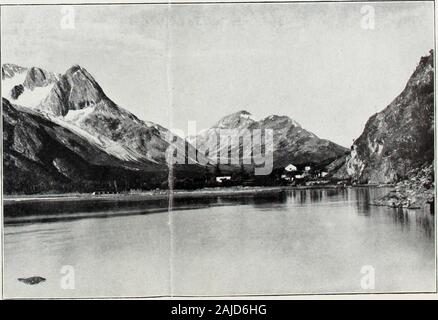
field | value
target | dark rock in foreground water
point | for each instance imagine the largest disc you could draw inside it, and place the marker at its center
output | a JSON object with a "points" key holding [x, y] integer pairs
{"points": [[32, 280]]}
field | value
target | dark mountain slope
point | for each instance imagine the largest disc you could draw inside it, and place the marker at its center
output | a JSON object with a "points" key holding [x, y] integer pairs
{"points": [[42, 156]]}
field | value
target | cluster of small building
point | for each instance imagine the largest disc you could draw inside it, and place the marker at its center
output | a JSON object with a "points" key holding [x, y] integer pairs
{"points": [[291, 173]]}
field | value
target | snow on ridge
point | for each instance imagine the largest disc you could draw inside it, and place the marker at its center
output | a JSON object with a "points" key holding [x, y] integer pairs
{"points": [[9, 83], [292, 121], [76, 116], [245, 115], [295, 123], [28, 98], [32, 98], [109, 146]]}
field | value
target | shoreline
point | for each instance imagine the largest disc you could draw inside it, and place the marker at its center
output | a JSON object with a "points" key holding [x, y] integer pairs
{"points": [[165, 194]]}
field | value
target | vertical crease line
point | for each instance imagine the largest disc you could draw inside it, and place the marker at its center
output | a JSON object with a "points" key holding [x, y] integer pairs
{"points": [[170, 165]]}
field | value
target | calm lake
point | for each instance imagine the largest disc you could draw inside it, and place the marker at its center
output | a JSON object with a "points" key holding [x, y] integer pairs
{"points": [[296, 241]]}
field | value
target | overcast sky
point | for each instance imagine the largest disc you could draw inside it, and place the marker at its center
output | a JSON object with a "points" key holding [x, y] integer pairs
{"points": [[312, 62]]}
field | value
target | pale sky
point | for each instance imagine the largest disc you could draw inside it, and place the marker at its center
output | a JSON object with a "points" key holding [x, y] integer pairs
{"points": [[312, 62]]}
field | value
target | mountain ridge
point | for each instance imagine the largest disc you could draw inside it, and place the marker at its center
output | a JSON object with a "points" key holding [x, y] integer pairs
{"points": [[40, 156], [71, 113], [75, 102], [291, 142]]}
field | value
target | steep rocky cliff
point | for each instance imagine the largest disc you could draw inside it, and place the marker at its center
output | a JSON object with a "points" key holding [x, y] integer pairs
{"points": [[400, 138]]}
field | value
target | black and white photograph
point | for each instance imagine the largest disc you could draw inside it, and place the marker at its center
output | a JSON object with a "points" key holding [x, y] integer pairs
{"points": [[218, 149]]}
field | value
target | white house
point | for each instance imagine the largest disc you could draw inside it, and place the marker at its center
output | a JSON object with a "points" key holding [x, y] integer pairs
{"points": [[323, 174], [290, 168], [307, 168], [223, 178]]}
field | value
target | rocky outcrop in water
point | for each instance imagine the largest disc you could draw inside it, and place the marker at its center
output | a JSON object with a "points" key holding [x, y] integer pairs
{"points": [[32, 280], [414, 193]]}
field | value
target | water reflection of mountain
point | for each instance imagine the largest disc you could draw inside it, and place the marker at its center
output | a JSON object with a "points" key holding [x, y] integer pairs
{"points": [[408, 218], [358, 199], [267, 199], [363, 200], [426, 221], [401, 217]]}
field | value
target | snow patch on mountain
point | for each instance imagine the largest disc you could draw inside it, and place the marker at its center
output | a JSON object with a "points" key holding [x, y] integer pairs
{"points": [[75, 101], [10, 82], [75, 116], [32, 98], [31, 93], [111, 147]]}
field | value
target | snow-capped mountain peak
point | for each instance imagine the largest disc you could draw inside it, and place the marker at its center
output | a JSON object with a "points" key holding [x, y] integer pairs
{"points": [[75, 90], [273, 120], [235, 120], [291, 142], [75, 101]]}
